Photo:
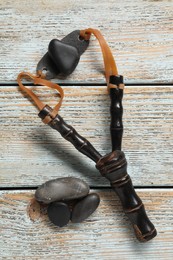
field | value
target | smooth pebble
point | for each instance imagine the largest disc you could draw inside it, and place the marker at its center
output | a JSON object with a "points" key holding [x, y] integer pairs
{"points": [[59, 189], [59, 213], [85, 207]]}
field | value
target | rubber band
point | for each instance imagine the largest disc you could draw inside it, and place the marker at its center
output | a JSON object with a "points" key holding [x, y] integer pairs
{"points": [[40, 81], [109, 62]]}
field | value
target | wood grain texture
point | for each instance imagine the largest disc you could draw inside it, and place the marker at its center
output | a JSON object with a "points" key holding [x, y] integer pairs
{"points": [[106, 234], [32, 152], [140, 33]]}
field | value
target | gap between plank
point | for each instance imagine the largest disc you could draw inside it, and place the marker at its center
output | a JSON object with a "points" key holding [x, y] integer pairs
{"points": [[91, 187], [15, 84]]}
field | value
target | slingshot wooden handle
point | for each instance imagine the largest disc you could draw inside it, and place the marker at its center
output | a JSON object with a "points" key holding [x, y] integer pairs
{"points": [[114, 167]]}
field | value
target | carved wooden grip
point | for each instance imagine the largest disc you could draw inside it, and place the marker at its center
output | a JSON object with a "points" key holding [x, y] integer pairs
{"points": [[71, 135], [116, 112], [114, 167]]}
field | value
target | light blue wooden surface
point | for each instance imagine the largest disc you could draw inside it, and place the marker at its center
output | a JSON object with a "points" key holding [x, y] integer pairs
{"points": [[106, 234], [34, 153], [140, 34]]}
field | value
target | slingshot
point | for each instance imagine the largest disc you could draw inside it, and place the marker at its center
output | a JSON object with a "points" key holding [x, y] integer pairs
{"points": [[112, 166]]}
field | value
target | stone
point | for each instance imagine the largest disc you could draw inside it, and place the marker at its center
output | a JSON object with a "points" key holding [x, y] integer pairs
{"points": [[59, 213], [61, 189], [65, 57], [85, 207]]}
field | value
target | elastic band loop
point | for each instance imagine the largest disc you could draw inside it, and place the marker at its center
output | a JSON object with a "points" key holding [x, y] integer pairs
{"points": [[39, 81], [109, 62]]}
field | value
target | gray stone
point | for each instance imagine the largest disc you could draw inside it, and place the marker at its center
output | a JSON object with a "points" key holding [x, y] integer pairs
{"points": [[60, 189], [85, 207]]}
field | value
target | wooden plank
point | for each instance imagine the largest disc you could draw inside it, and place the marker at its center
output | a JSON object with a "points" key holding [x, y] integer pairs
{"points": [[139, 33], [32, 153], [106, 234]]}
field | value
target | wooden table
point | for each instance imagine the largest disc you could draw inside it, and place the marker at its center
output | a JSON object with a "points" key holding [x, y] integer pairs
{"points": [[140, 34]]}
